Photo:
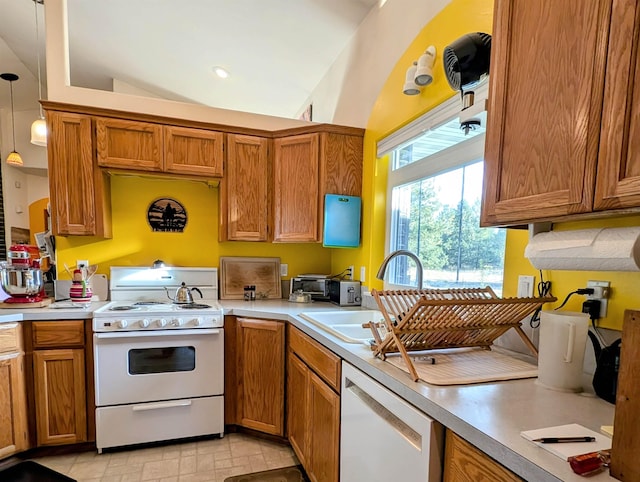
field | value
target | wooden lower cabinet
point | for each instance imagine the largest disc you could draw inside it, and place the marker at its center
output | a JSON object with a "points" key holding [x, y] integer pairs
{"points": [[61, 412], [13, 403], [465, 463], [61, 382], [260, 365], [313, 407]]}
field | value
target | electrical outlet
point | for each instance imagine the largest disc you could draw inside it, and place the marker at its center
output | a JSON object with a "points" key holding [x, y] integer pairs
{"points": [[82, 263], [601, 292], [525, 286], [284, 270], [363, 272], [351, 268]]}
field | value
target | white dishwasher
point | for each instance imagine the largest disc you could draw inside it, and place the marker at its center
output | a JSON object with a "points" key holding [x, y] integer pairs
{"points": [[382, 437]]}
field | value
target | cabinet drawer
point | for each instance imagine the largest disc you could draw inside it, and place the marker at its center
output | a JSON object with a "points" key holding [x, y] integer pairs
{"points": [[10, 337], [465, 463], [320, 360], [50, 334]]}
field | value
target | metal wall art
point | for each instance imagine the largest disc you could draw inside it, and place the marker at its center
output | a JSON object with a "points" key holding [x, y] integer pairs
{"points": [[166, 214]]}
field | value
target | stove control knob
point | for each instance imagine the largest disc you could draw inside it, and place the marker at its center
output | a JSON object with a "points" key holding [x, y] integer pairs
{"points": [[161, 322], [176, 322], [196, 322], [122, 323], [144, 323]]}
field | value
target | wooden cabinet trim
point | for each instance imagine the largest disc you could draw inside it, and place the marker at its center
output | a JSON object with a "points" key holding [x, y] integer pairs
{"points": [[58, 334], [323, 460], [321, 360]]}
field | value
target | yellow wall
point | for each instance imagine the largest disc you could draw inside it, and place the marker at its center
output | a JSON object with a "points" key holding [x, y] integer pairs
{"points": [[394, 109], [134, 244]]}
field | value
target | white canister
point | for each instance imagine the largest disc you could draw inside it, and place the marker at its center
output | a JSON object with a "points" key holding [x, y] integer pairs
{"points": [[563, 339]]}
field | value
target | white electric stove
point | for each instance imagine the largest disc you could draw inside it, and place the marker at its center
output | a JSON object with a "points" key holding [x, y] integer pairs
{"points": [[159, 366]]}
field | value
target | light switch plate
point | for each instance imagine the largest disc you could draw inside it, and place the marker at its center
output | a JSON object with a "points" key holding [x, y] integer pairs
{"points": [[284, 269], [525, 286]]}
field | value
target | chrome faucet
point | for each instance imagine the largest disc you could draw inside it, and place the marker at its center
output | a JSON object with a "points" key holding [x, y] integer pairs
{"points": [[401, 252]]}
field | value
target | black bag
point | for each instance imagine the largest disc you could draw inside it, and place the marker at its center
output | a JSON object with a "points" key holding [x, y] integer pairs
{"points": [[605, 378]]}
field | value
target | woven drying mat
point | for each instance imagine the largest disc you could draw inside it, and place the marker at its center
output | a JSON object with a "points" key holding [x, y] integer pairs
{"points": [[462, 366]]}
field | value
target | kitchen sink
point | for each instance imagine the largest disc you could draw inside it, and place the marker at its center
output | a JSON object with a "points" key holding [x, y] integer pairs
{"points": [[346, 325]]}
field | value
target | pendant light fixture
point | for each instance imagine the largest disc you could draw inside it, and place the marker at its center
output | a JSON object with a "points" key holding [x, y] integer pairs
{"points": [[13, 158], [39, 126]]}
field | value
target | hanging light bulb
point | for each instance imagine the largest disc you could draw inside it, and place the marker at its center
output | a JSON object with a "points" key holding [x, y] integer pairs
{"points": [[13, 158], [39, 126]]}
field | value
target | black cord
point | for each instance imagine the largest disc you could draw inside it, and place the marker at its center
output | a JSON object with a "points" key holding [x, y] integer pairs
{"points": [[567, 299], [544, 289]]}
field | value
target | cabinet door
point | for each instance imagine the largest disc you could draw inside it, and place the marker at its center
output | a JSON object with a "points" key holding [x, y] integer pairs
{"points": [[13, 406], [129, 144], [244, 190], [545, 103], [341, 159], [260, 352], [618, 180], [297, 404], [193, 151], [79, 191], [324, 431], [296, 189], [59, 380], [465, 463]]}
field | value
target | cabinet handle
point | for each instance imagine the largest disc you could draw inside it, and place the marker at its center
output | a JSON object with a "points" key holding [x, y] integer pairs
{"points": [[157, 406]]}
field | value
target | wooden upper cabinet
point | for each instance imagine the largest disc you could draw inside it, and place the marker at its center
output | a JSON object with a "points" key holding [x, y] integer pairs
{"points": [[296, 189], [193, 151], [244, 191], [618, 179], [79, 191], [546, 88], [129, 144], [341, 162]]}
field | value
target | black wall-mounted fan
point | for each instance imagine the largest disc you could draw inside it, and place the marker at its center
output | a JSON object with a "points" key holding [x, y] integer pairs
{"points": [[466, 60]]}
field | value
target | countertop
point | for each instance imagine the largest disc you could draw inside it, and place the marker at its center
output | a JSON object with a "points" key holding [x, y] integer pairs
{"points": [[488, 415]]}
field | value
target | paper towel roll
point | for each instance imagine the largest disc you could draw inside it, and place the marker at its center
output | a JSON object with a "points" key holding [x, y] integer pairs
{"points": [[605, 249]]}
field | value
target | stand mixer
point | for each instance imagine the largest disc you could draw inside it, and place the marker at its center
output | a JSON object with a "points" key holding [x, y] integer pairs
{"points": [[21, 276]]}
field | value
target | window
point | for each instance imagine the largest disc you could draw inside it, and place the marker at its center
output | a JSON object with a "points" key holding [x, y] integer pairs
{"points": [[434, 197]]}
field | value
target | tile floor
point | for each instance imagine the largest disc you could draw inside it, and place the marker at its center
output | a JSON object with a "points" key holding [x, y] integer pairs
{"points": [[207, 460]]}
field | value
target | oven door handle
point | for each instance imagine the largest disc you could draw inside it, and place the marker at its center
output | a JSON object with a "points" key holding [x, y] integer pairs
{"points": [[146, 334], [156, 406]]}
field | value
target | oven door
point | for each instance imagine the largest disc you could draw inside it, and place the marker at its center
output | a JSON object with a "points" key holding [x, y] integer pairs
{"points": [[147, 366]]}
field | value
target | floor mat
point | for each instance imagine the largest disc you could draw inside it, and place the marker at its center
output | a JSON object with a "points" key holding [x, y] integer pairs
{"points": [[286, 474], [30, 471]]}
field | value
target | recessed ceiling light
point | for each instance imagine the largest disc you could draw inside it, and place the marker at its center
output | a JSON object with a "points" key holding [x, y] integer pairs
{"points": [[221, 72]]}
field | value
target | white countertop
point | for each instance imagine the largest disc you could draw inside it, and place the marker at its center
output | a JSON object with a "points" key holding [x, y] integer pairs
{"points": [[488, 415]]}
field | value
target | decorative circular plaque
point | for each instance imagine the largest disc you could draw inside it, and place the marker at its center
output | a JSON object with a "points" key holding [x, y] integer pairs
{"points": [[166, 214]]}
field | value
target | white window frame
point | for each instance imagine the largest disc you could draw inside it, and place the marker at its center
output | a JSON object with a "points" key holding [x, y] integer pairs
{"points": [[472, 150]]}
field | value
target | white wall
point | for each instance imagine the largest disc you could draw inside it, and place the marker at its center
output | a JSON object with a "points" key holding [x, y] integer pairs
{"points": [[350, 88], [21, 186]]}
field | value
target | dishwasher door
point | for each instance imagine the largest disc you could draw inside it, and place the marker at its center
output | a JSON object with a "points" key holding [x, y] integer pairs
{"points": [[383, 438]]}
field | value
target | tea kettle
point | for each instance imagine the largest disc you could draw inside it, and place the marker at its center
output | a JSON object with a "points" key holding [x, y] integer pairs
{"points": [[183, 294]]}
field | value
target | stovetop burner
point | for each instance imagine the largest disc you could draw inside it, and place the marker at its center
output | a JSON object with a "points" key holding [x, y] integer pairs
{"points": [[193, 306], [149, 303], [124, 308]]}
